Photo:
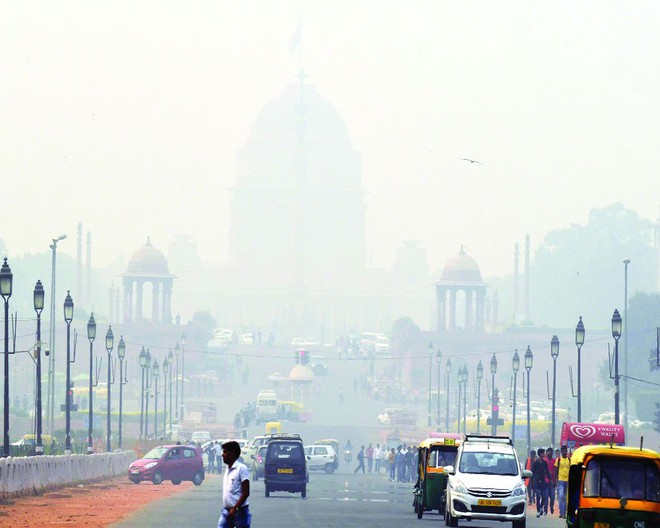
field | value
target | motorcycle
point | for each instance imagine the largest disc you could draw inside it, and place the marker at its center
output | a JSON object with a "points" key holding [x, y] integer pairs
{"points": [[348, 456]]}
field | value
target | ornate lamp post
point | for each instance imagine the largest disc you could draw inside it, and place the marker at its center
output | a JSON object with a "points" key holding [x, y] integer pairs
{"points": [[109, 344], [459, 379], [68, 317], [465, 380], [91, 335], [554, 352], [448, 369], [166, 371], [516, 367], [143, 362], [50, 407], [146, 394], [529, 360], [480, 375], [38, 299], [121, 354], [430, 381], [579, 341], [170, 357], [493, 371], [177, 353], [616, 334], [156, 372], [438, 357], [183, 362], [6, 284]]}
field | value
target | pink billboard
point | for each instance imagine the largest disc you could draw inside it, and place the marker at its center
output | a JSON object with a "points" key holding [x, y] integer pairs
{"points": [[575, 435]]}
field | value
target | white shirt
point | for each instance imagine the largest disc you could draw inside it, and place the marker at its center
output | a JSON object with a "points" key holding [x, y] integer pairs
{"points": [[376, 453], [231, 484]]}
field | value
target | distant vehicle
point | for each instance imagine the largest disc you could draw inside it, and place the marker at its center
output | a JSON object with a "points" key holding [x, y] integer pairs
{"points": [[169, 462], [385, 418], [266, 406], [224, 333], [321, 457], [319, 366], [201, 437], [247, 339], [305, 341], [258, 463]]}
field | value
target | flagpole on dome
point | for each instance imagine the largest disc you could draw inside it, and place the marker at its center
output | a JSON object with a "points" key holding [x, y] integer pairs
{"points": [[296, 43]]}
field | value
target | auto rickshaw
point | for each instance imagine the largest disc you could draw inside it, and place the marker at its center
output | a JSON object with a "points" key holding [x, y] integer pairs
{"points": [[433, 455], [613, 487], [273, 427]]}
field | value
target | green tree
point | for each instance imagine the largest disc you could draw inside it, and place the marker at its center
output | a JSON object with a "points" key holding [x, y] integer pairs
{"points": [[579, 270]]}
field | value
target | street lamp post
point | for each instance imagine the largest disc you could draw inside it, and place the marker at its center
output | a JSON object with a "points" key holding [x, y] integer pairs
{"points": [[68, 317], [616, 334], [465, 380], [625, 345], [448, 368], [146, 394], [170, 357], [91, 335], [529, 360], [109, 344], [38, 299], [579, 341], [430, 381], [438, 357], [480, 375], [156, 372], [183, 357], [166, 371], [459, 380], [143, 362], [516, 367], [554, 352], [493, 371], [177, 353], [50, 407], [6, 285], [121, 354]]}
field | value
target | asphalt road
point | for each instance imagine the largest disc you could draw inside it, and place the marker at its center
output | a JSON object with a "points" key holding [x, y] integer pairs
{"points": [[333, 501]]}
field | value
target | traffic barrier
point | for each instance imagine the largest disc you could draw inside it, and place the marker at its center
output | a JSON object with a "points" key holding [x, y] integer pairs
{"points": [[32, 474]]}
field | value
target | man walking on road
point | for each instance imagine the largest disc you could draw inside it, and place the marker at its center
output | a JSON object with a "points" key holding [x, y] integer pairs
{"points": [[360, 459], [235, 489], [540, 475], [563, 463]]}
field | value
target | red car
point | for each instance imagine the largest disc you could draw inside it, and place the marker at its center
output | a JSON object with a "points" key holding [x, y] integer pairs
{"points": [[169, 462]]}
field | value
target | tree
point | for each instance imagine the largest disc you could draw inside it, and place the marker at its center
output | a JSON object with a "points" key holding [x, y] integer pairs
{"points": [[579, 270]]}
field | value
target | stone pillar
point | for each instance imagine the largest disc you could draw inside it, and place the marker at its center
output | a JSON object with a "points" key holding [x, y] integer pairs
{"points": [[441, 294], [167, 302], [452, 309], [155, 290], [480, 313], [139, 285], [469, 309]]}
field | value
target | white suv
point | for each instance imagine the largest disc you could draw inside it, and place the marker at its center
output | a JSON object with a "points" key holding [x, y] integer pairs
{"points": [[322, 457], [486, 483]]}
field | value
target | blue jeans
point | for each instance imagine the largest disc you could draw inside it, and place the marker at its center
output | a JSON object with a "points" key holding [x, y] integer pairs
{"points": [[562, 486], [541, 497], [550, 491], [242, 519]]}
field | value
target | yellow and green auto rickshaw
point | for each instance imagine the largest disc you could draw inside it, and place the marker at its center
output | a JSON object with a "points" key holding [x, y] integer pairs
{"points": [[432, 455], [613, 487]]}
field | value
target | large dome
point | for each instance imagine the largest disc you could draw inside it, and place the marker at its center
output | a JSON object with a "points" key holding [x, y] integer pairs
{"points": [[279, 120], [461, 269], [301, 373], [148, 261]]}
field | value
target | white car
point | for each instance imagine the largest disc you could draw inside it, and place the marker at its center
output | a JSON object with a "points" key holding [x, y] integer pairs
{"points": [[321, 457], [201, 436], [385, 418], [486, 483]]}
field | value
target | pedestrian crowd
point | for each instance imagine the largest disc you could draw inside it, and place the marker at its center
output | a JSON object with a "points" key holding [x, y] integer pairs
{"points": [[398, 464], [549, 480]]}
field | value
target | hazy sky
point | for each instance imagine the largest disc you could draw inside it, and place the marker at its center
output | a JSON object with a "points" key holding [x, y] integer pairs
{"points": [[127, 116]]}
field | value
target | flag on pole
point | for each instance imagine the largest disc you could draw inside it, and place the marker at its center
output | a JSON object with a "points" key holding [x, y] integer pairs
{"points": [[295, 40]]}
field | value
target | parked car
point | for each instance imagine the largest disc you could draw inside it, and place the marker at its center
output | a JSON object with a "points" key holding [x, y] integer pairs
{"points": [[201, 436], [321, 457], [169, 462], [286, 467], [258, 463]]}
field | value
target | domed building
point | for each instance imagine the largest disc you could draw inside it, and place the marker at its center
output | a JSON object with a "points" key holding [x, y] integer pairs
{"points": [[460, 280], [297, 211], [148, 269]]}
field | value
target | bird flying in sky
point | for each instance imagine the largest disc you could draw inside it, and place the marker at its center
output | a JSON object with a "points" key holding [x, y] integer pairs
{"points": [[471, 161]]}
